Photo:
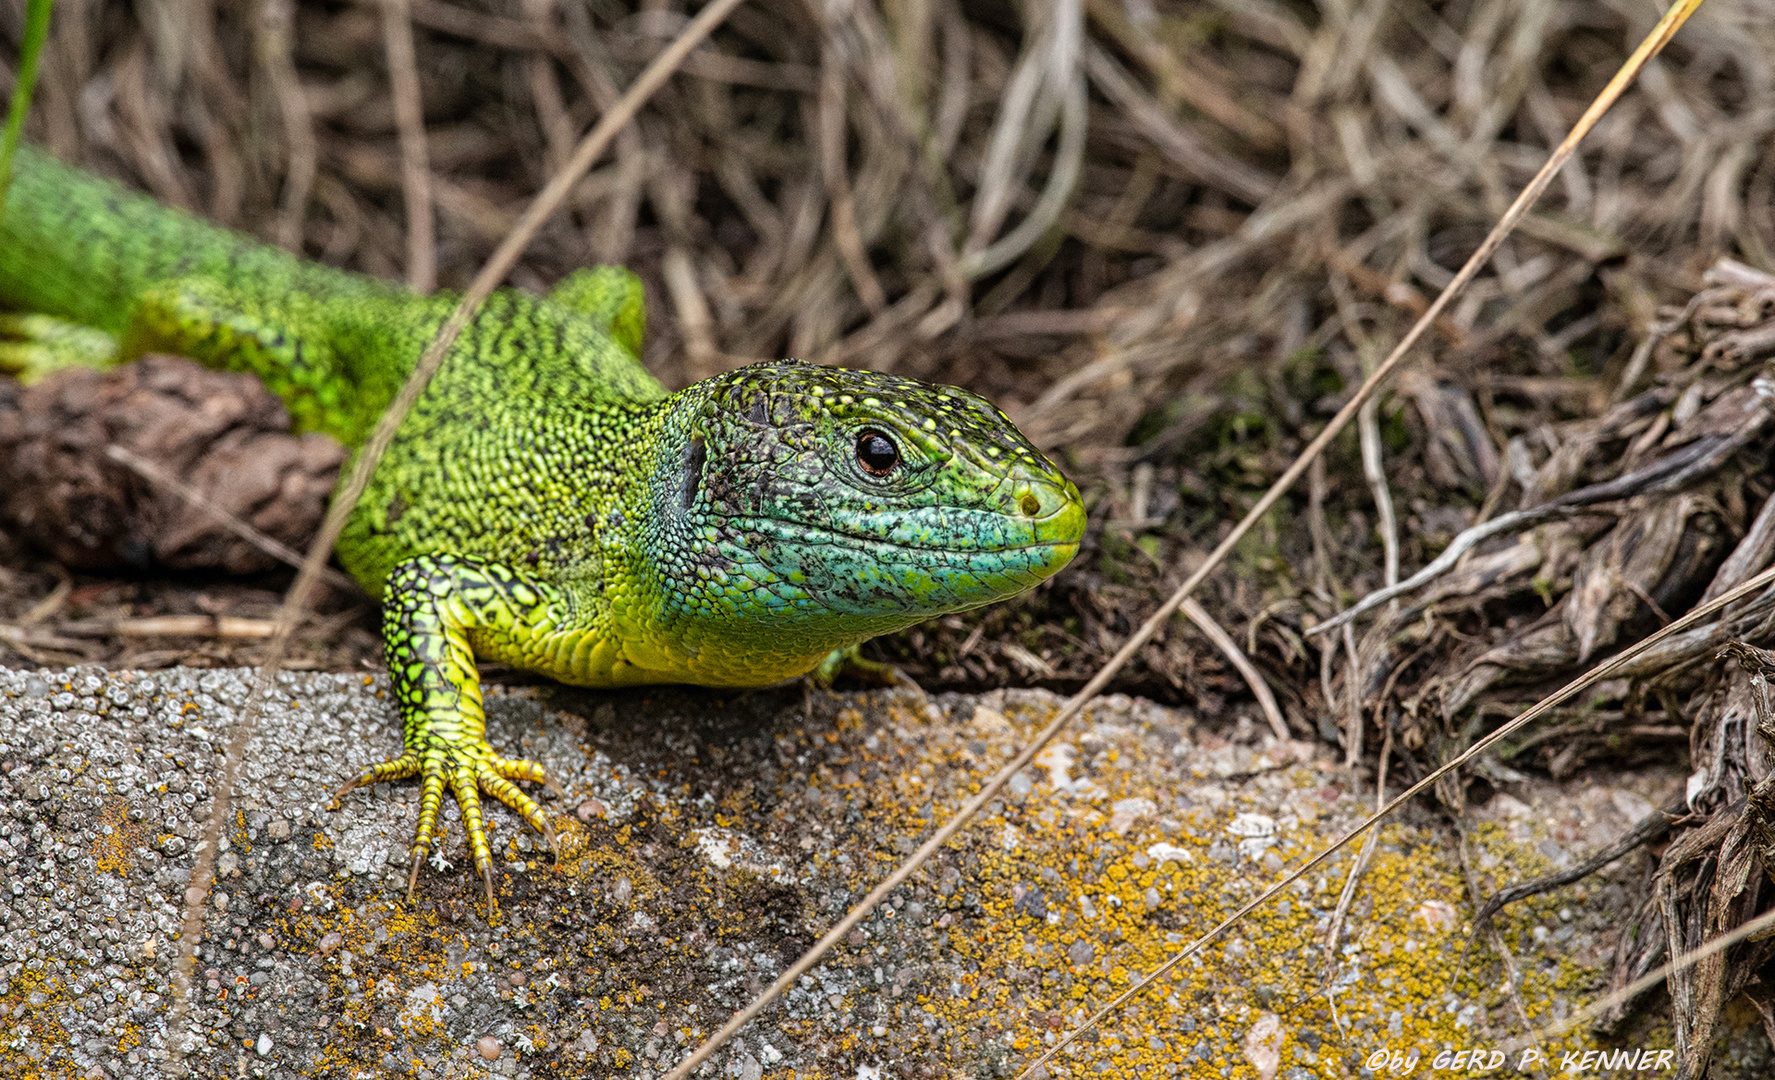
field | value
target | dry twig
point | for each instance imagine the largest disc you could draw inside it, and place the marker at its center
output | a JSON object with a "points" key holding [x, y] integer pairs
{"points": [[403, 74]]}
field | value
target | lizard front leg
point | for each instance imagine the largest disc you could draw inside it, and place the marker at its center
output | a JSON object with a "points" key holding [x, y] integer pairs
{"points": [[434, 606]]}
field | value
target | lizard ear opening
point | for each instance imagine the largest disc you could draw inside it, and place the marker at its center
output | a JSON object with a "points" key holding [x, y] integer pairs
{"points": [[694, 456]]}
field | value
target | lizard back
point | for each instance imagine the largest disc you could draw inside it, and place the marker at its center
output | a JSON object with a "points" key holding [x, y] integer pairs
{"points": [[84, 249], [516, 450]]}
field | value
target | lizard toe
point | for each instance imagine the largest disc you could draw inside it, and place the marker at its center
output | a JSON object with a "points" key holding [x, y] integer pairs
{"points": [[465, 785], [495, 784], [405, 767], [33, 346], [431, 799], [413, 874]]}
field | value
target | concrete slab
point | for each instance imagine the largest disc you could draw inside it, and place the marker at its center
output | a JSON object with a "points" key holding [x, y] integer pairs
{"points": [[708, 839]]}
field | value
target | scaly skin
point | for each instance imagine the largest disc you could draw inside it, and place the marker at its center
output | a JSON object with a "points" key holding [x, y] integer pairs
{"points": [[546, 503]]}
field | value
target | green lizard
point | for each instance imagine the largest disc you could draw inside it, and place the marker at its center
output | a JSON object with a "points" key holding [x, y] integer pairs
{"points": [[547, 504]]}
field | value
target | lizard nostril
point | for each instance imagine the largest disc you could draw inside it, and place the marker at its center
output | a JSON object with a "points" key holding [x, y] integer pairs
{"points": [[1030, 505]]}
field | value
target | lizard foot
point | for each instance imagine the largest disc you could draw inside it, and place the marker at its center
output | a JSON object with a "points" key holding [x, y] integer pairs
{"points": [[32, 346], [468, 768], [849, 662]]}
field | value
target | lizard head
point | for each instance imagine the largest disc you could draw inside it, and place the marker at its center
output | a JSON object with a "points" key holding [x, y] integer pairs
{"points": [[832, 505]]}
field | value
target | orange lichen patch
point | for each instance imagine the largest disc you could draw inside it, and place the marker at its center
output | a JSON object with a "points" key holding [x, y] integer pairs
{"points": [[114, 851], [1063, 898], [35, 1045], [387, 972], [600, 862]]}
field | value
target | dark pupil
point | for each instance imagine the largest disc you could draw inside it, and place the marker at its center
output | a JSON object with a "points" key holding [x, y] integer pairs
{"points": [[877, 453]]}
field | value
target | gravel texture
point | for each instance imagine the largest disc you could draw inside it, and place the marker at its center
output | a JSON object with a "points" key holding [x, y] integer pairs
{"points": [[707, 840]]}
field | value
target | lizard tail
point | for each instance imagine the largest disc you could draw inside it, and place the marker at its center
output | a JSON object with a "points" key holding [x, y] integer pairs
{"points": [[84, 249], [87, 251]]}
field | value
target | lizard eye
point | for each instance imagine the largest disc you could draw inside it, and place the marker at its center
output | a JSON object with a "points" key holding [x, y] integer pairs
{"points": [[876, 453]]}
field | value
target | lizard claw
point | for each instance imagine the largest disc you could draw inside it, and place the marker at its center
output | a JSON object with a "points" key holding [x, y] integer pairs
{"points": [[467, 767], [413, 877]]}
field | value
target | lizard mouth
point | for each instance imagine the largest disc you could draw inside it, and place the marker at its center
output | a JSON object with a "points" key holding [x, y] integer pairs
{"points": [[806, 532], [1037, 515], [939, 577]]}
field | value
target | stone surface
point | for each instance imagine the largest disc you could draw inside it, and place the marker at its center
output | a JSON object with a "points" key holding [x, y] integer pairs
{"points": [[708, 839]]}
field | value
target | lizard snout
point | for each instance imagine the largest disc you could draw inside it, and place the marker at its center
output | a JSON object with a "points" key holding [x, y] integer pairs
{"points": [[1049, 514], [1052, 508]]}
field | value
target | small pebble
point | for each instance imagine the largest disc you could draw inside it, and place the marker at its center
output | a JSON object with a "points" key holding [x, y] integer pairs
{"points": [[488, 1047]]}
